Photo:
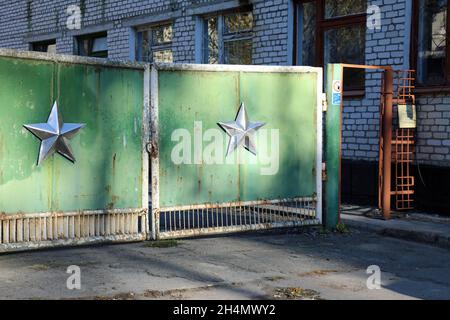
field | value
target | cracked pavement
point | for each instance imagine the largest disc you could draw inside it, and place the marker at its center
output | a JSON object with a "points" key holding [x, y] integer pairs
{"points": [[246, 266]]}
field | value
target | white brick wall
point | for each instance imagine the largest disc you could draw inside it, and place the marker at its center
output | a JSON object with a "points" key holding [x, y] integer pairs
{"points": [[361, 116], [48, 19], [22, 21], [433, 145], [270, 45]]}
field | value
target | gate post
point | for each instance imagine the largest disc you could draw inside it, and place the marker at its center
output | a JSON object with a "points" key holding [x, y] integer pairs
{"points": [[154, 152], [333, 140]]}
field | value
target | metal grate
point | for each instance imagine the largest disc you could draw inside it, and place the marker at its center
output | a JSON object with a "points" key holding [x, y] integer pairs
{"points": [[403, 146], [403, 153], [405, 85], [21, 232], [235, 217]]}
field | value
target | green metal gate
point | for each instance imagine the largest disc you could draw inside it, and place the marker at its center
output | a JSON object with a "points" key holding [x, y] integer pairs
{"points": [[103, 196], [232, 148], [197, 187]]}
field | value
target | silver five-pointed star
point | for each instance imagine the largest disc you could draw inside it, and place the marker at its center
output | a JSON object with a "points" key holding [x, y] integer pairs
{"points": [[55, 135], [241, 131]]}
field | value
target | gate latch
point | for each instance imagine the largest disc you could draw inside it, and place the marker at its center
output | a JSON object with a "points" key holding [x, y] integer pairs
{"points": [[324, 171], [152, 150], [324, 102]]}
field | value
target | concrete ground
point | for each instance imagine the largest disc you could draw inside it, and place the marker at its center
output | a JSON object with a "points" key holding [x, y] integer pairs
{"points": [[414, 226], [306, 264]]}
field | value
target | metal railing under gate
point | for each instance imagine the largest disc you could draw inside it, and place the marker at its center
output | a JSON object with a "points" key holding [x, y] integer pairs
{"points": [[198, 220]]}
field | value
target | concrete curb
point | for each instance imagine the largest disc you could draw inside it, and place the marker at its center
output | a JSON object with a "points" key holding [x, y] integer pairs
{"points": [[423, 232]]}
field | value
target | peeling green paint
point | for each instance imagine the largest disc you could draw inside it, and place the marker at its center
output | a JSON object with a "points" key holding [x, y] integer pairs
{"points": [[284, 101], [107, 174], [332, 150]]}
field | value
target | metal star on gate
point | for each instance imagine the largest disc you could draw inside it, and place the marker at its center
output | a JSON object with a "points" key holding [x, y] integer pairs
{"points": [[54, 135], [241, 131]]}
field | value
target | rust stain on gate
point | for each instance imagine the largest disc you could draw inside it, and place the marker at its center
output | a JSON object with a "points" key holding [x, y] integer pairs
{"points": [[102, 196]]}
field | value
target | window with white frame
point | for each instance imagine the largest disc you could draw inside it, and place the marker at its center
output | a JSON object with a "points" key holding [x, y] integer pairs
{"points": [[154, 43], [228, 38]]}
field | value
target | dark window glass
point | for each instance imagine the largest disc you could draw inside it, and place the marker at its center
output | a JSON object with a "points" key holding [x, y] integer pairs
{"points": [[228, 38], [44, 46], [154, 43], [165, 56], [432, 34], [307, 33], [143, 46], [346, 45], [212, 38], [162, 34], [238, 52], [238, 22], [337, 33], [334, 9]]}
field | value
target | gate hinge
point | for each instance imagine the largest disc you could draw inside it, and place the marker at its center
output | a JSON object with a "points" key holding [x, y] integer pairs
{"points": [[324, 102], [324, 171], [148, 147]]}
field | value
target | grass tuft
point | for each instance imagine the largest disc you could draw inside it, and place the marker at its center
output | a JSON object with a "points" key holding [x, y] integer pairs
{"points": [[342, 228]]}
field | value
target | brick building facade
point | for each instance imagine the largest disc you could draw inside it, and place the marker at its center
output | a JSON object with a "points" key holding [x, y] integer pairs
{"points": [[277, 32]]}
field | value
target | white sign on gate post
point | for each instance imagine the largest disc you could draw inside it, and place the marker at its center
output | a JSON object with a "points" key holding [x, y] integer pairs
{"points": [[337, 92]]}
